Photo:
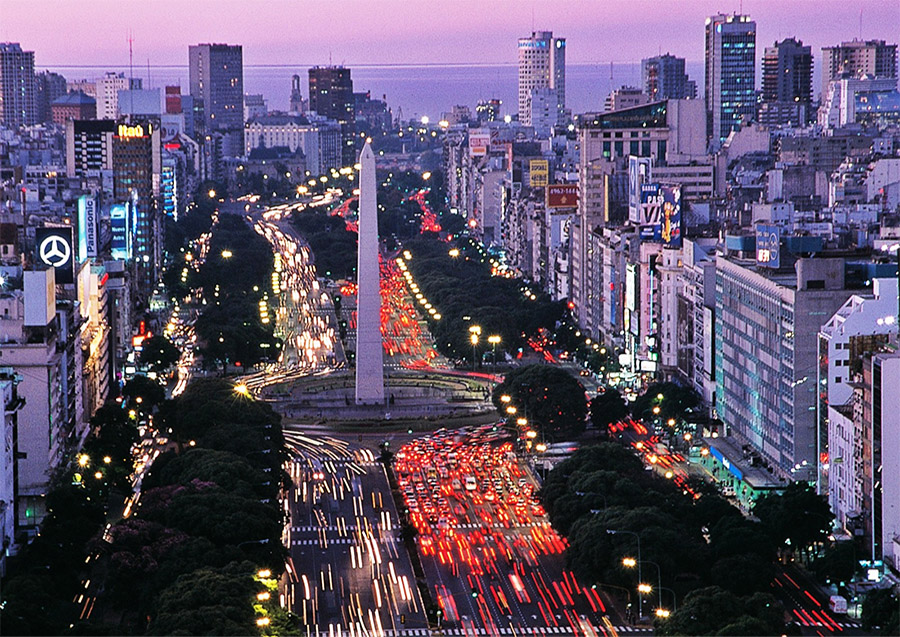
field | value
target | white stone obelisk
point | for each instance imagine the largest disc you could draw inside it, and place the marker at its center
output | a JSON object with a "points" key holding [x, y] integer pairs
{"points": [[369, 353]]}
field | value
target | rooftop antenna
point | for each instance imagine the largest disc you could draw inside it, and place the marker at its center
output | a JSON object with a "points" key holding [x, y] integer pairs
{"points": [[532, 18], [130, 72]]}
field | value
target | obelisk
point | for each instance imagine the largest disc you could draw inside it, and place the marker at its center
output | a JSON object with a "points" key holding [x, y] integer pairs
{"points": [[369, 353]]}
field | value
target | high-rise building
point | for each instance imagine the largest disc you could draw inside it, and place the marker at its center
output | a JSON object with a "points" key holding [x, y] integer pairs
{"points": [[542, 65], [137, 166], [216, 73], [17, 103], [331, 96], [786, 83], [730, 73], [857, 58], [664, 78], [107, 93], [89, 147], [48, 87]]}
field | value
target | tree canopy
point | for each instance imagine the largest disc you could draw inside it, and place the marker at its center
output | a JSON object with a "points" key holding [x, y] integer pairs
{"points": [[550, 398]]}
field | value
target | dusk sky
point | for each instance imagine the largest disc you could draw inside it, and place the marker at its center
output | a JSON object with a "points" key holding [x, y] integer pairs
{"points": [[354, 32]]}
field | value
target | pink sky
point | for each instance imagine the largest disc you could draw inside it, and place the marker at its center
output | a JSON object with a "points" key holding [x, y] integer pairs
{"points": [[88, 32]]}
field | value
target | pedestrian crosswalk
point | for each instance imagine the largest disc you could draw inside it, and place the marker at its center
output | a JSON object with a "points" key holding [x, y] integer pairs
{"points": [[338, 540], [829, 626], [560, 631]]}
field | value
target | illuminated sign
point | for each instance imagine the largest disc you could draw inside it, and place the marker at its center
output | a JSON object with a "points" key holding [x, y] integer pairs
{"points": [[660, 214], [639, 173], [87, 227], [562, 195], [53, 248], [479, 142], [538, 173], [119, 221], [136, 130], [767, 246]]}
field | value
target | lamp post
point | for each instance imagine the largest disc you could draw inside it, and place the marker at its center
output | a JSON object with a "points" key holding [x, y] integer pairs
{"points": [[475, 332], [630, 562], [494, 339], [640, 581]]}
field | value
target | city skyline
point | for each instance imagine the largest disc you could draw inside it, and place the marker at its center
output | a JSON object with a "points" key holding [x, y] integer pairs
{"points": [[595, 33]]}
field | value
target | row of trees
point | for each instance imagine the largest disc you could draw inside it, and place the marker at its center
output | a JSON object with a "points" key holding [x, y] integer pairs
{"points": [[235, 277], [466, 294], [548, 397], [208, 519], [45, 578], [602, 497], [332, 243]]}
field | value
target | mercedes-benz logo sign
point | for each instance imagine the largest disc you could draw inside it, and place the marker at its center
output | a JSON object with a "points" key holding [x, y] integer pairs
{"points": [[55, 251]]}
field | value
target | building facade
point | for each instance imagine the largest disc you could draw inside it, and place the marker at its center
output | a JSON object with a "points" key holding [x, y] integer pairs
{"points": [[331, 96], [856, 58], [216, 76], [787, 83], [542, 65], [17, 95], [730, 73], [663, 77]]}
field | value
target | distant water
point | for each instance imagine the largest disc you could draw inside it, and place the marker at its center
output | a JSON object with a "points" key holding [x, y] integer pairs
{"points": [[416, 89]]}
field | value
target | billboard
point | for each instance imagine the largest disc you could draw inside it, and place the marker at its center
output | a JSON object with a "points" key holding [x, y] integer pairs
{"points": [[54, 248], [87, 227], [660, 215], [120, 222], [538, 173], [768, 240], [639, 173], [562, 195], [479, 142]]}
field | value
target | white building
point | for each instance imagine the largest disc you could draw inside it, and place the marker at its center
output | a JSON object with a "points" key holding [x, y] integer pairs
{"points": [[107, 93], [8, 423], [861, 324], [318, 139], [542, 64]]}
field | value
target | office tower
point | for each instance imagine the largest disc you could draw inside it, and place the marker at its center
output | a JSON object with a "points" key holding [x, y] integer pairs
{"points": [[786, 84], [89, 147], [542, 65], [17, 103], [331, 96], [298, 104], [663, 78], [216, 73], [858, 58], [48, 87], [137, 166], [107, 93], [730, 73], [369, 353]]}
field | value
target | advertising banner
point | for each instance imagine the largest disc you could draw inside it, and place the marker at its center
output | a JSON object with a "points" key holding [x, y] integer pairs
{"points": [[54, 248], [562, 195], [87, 227], [479, 142], [539, 173], [768, 240]]}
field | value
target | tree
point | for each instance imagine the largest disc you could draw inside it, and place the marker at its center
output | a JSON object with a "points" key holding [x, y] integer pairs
{"points": [[677, 402], [150, 392], [838, 564], [158, 353], [608, 408], [714, 611], [207, 602], [798, 516], [880, 610], [551, 398]]}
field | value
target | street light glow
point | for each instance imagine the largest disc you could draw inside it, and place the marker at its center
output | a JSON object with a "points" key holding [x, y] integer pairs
{"points": [[645, 588], [629, 562]]}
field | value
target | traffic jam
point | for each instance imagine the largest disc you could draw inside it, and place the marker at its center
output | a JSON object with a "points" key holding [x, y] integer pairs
{"points": [[492, 559]]}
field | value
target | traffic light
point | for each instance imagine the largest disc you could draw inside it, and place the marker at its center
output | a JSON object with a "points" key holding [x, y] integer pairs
{"points": [[402, 619], [474, 592]]}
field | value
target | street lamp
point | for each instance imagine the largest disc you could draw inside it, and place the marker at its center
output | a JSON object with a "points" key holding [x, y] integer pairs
{"points": [[630, 562], [493, 340], [640, 579], [475, 332]]}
